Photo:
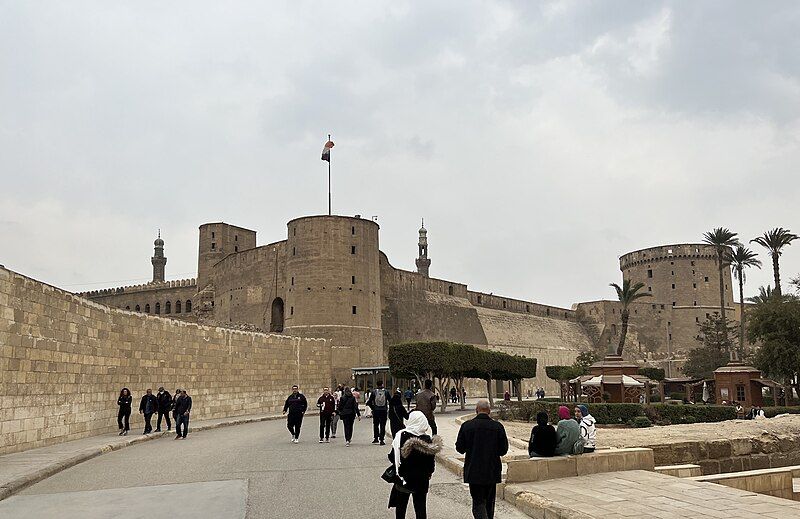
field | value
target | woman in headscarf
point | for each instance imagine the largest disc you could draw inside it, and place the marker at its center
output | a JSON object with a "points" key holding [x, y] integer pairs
{"points": [[568, 432], [543, 438], [348, 410], [413, 454], [124, 414], [588, 430], [397, 413]]}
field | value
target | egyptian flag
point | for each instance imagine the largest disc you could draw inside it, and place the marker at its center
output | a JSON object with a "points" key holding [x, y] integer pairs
{"points": [[326, 151]]}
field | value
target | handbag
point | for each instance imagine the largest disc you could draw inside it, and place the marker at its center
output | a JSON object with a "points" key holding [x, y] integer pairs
{"points": [[390, 476]]}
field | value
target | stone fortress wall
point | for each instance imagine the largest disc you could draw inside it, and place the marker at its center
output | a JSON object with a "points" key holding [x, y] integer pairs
{"points": [[64, 359]]}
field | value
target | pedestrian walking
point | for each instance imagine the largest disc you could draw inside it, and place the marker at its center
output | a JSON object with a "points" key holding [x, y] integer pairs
{"points": [[426, 402], [397, 413], [335, 420], [148, 406], [183, 407], [378, 402], [483, 441], [124, 414], [409, 396], [414, 457], [178, 394], [348, 410], [453, 395], [327, 407], [296, 405], [164, 400]]}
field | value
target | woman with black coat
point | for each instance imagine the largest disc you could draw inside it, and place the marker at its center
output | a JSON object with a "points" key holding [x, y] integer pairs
{"points": [[543, 438], [413, 454], [348, 410], [397, 413], [124, 403]]}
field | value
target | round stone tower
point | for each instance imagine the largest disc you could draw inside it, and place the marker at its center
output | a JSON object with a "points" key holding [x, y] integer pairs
{"points": [[682, 275], [333, 280]]}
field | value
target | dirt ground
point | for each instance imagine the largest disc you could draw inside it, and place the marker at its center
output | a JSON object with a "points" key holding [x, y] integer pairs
{"points": [[785, 425]]}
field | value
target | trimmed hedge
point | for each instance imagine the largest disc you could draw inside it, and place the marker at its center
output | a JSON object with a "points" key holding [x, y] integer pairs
{"points": [[641, 421], [769, 412], [608, 414]]}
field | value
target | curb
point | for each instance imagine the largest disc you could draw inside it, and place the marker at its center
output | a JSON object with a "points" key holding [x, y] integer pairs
{"points": [[13, 486]]}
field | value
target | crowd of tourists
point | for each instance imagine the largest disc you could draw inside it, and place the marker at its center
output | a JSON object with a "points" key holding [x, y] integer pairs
{"points": [[573, 434], [163, 404]]}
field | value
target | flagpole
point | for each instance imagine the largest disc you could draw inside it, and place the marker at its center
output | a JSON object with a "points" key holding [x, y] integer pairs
{"points": [[329, 180]]}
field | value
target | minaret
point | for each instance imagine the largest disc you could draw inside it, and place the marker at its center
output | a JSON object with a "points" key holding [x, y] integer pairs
{"points": [[423, 263], [158, 260]]}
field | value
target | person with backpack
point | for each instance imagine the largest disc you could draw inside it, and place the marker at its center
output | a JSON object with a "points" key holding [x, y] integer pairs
{"points": [[164, 400], [378, 402], [413, 455], [426, 402], [397, 413], [348, 410], [409, 396], [569, 434], [588, 429]]}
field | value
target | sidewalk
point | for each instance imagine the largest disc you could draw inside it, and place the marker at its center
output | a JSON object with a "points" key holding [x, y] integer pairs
{"points": [[22, 469]]}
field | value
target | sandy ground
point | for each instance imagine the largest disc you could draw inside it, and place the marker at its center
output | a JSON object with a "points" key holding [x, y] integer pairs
{"points": [[786, 425]]}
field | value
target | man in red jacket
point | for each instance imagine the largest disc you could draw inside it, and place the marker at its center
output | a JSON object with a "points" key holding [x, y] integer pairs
{"points": [[327, 406]]}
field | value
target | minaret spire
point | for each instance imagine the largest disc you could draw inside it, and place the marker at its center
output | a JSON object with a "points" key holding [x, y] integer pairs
{"points": [[158, 260], [423, 263]]}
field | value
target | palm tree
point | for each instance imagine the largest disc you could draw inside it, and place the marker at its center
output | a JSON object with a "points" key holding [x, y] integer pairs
{"points": [[722, 239], [767, 295], [774, 241], [627, 294], [740, 259]]}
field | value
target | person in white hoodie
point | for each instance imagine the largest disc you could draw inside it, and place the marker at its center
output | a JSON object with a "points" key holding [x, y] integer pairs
{"points": [[588, 431]]}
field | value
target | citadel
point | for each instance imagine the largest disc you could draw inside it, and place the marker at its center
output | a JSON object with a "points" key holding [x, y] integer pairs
{"points": [[329, 279]]}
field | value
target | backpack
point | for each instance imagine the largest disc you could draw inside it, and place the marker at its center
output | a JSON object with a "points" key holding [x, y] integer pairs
{"points": [[577, 447], [380, 398]]}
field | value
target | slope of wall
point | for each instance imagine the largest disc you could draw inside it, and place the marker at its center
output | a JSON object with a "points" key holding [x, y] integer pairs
{"points": [[63, 360], [550, 341]]}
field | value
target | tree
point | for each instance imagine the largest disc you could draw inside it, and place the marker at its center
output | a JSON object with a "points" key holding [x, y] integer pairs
{"points": [[514, 368], [585, 359], [740, 259], [627, 294], [776, 323], [774, 241], [722, 239], [767, 295], [563, 374], [715, 333]]}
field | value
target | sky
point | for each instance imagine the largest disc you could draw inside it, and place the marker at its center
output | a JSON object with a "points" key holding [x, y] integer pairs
{"points": [[539, 140]]}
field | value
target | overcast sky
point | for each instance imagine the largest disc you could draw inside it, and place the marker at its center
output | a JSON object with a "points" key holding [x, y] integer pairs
{"points": [[540, 141]]}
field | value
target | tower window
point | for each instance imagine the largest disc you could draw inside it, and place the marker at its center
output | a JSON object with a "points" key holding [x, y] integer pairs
{"points": [[354, 310], [213, 235], [291, 310], [504, 304], [694, 285], [649, 289], [292, 280], [178, 306], [213, 246], [673, 272], [352, 249], [547, 311], [235, 237], [353, 230], [670, 336], [158, 308], [235, 248], [189, 305], [695, 303], [697, 319], [138, 308], [127, 307], [527, 308], [649, 273], [706, 279], [294, 251], [654, 307], [673, 286], [673, 303], [662, 307], [692, 262], [294, 231], [352, 280], [147, 308], [479, 299], [450, 290], [168, 308]]}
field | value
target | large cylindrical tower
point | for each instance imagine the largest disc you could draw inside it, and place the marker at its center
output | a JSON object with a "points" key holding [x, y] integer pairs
{"points": [[333, 280], [683, 275]]}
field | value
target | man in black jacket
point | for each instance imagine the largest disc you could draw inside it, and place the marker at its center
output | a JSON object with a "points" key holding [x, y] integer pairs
{"points": [[378, 402], [147, 407], [164, 400], [296, 405], [183, 406], [484, 441]]}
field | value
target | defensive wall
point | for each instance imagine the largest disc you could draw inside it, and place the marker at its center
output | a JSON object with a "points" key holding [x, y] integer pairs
{"points": [[173, 298], [64, 359]]}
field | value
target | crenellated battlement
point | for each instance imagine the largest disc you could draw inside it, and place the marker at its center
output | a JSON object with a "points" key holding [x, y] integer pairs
{"points": [[146, 287], [667, 252]]}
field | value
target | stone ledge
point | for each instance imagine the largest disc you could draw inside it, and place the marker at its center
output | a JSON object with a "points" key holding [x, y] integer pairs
{"points": [[680, 471], [607, 460]]}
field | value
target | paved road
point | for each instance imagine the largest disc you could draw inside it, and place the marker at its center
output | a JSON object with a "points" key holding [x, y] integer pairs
{"points": [[250, 471]]}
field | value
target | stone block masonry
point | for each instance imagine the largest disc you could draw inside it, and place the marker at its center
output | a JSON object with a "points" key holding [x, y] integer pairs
{"points": [[64, 359]]}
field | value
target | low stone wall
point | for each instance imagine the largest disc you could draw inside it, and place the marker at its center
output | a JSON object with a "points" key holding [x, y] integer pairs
{"points": [[771, 482], [607, 460], [735, 455], [64, 359], [680, 471]]}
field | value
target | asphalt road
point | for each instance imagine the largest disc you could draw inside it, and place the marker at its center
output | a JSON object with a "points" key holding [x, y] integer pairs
{"points": [[251, 471]]}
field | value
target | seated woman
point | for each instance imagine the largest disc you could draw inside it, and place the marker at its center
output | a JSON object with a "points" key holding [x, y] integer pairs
{"points": [[543, 438], [568, 433], [588, 430]]}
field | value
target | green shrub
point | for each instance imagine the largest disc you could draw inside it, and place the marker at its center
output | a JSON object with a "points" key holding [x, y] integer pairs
{"points": [[641, 421], [769, 412], [608, 414], [663, 413]]}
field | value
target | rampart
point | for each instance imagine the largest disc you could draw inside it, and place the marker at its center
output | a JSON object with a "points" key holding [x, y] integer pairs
{"points": [[64, 359]]}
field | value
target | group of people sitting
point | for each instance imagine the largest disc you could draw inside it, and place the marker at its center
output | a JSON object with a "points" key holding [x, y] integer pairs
{"points": [[574, 434]]}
